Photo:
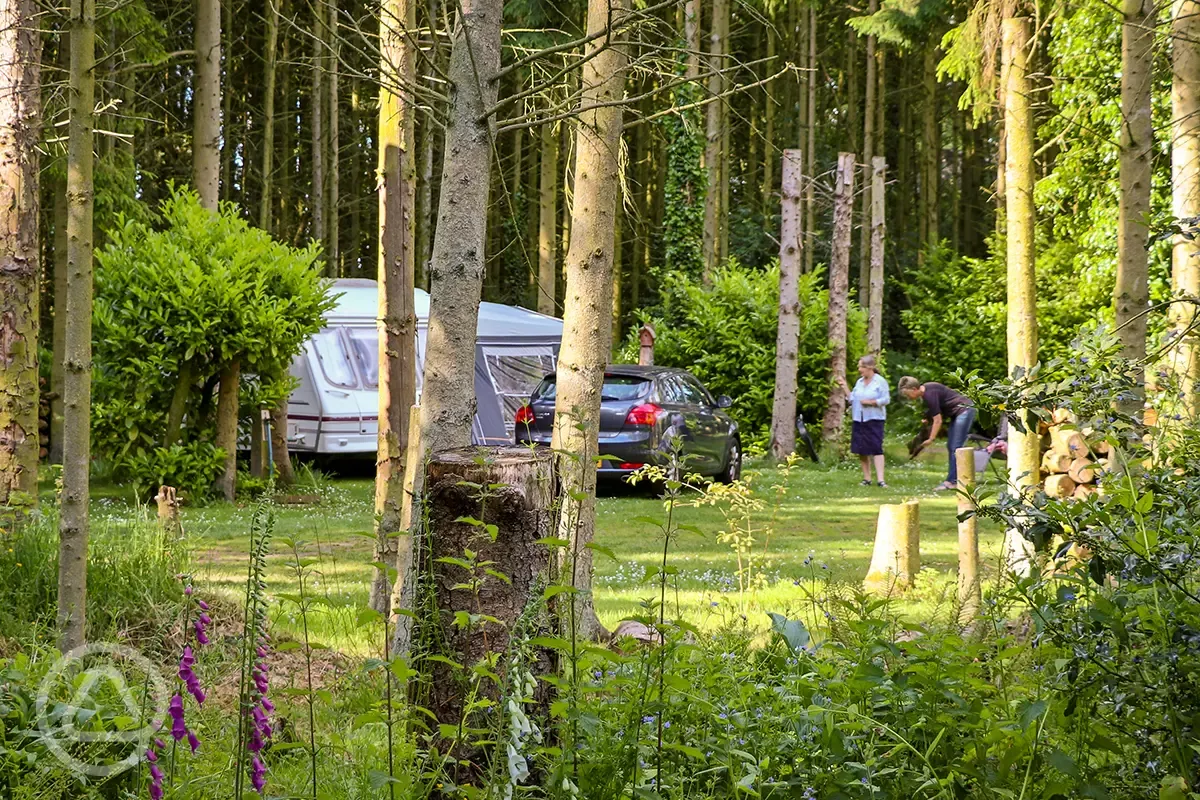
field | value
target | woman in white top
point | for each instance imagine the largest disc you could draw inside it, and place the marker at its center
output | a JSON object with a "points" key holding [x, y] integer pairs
{"points": [[868, 410]]}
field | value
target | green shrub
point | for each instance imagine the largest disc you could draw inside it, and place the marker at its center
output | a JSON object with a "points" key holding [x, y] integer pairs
{"points": [[175, 303], [725, 335]]}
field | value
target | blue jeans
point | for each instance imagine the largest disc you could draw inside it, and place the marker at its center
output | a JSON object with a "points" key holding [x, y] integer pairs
{"points": [[960, 428]]}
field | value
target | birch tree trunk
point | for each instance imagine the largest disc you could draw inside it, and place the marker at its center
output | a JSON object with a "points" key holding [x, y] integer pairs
{"points": [[1185, 194], [456, 281], [870, 117], [206, 112], [931, 160], [839, 288], [714, 138], [20, 111], [810, 157], [59, 332], [1131, 292], [1023, 448], [691, 35], [587, 321], [274, 11], [547, 218], [397, 315], [768, 168], [77, 355], [875, 279], [787, 340]]}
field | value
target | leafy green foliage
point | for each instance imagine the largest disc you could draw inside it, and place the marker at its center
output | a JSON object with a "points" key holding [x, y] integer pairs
{"points": [[178, 302], [725, 335]]}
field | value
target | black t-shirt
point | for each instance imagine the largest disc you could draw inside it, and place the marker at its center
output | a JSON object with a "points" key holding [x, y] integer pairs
{"points": [[941, 399]]}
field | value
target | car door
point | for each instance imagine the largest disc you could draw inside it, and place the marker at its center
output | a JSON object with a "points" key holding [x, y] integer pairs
{"points": [[710, 435], [683, 422]]}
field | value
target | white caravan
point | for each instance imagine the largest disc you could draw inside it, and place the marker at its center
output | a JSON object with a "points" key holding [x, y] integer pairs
{"points": [[335, 408]]}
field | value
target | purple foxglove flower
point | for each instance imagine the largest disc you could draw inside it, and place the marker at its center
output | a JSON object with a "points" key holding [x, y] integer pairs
{"points": [[255, 744], [193, 742], [203, 605], [206, 619], [159, 744], [175, 711], [151, 756], [261, 652], [258, 774], [267, 705], [156, 774], [188, 590], [201, 637]]}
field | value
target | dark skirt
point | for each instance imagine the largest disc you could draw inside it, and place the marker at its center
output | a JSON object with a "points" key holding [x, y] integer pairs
{"points": [[866, 438]]}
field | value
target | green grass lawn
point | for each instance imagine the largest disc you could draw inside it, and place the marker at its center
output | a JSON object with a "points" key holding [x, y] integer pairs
{"points": [[821, 512]]}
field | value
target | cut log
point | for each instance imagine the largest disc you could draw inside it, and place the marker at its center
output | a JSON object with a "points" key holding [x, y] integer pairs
{"points": [[1150, 417], [1062, 415], [1068, 442], [897, 557], [1101, 447], [1060, 486], [969, 590], [469, 491], [1084, 492], [1055, 463], [1082, 470]]}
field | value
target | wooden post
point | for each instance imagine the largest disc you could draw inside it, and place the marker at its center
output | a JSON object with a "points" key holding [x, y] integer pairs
{"points": [[512, 489], [878, 230], [839, 289], [646, 353], [783, 414], [410, 520], [969, 590], [897, 556]]}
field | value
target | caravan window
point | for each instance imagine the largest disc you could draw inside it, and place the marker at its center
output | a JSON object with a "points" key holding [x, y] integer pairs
{"points": [[515, 374], [364, 342], [335, 362]]}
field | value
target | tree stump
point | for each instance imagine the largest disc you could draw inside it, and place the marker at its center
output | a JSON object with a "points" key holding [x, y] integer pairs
{"points": [[488, 509], [969, 590], [897, 557]]}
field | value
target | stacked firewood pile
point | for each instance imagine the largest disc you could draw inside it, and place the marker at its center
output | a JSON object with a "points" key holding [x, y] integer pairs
{"points": [[1071, 464]]}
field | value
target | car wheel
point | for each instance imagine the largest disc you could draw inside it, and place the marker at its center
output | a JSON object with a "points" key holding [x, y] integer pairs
{"points": [[733, 463]]}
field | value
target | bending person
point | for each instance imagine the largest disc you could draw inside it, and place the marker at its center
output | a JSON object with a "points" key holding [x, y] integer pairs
{"points": [[943, 406]]}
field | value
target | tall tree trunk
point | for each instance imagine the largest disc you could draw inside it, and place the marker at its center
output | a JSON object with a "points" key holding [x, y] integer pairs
{"points": [[875, 280], [397, 314], [547, 220], [1185, 194], [334, 149], [20, 191], [206, 135], [225, 123], [714, 137], [787, 339], [424, 224], [448, 391], [1131, 292], [810, 157], [285, 474], [77, 355], [768, 168], [870, 117], [274, 10], [1023, 448], [587, 335], [691, 37], [316, 114], [286, 149], [59, 333], [931, 161], [227, 427], [620, 223], [839, 288], [724, 183], [851, 77]]}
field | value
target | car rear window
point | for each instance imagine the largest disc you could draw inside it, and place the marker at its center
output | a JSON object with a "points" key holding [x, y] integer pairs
{"points": [[616, 387]]}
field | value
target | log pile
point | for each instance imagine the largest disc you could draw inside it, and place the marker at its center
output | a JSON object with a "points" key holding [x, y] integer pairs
{"points": [[1071, 466]]}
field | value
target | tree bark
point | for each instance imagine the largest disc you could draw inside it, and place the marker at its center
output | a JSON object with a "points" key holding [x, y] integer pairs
{"points": [[333, 244], [227, 427], [714, 138], [58, 334], [77, 355], [448, 393], [316, 113], [691, 36], [896, 558], [1023, 448], [931, 158], [839, 288], [875, 278], [768, 165], [870, 117], [206, 129], [787, 339], [587, 323], [1185, 195], [970, 590], [285, 474], [20, 192], [274, 11], [397, 314], [810, 157], [1131, 293], [547, 220]]}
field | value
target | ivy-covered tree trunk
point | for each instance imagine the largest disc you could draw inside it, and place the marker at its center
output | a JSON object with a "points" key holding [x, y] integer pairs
{"points": [[448, 392], [1131, 293], [839, 288], [20, 108], [547, 275], [206, 112], [1024, 449], [227, 427], [787, 340], [77, 355], [1185, 197], [587, 320], [397, 315]]}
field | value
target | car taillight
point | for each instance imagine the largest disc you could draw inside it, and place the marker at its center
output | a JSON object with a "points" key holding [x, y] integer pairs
{"points": [[645, 414], [525, 416]]}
